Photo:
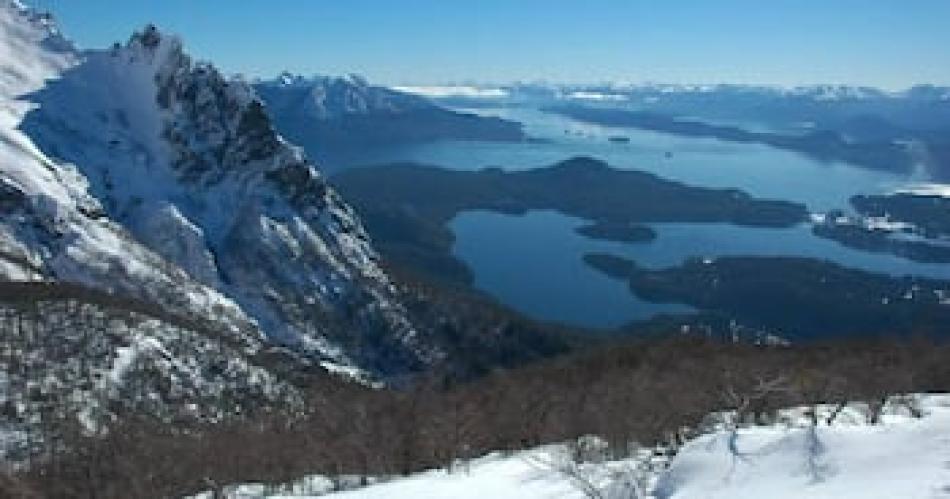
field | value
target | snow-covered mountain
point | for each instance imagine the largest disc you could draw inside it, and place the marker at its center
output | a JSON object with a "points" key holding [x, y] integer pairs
{"points": [[327, 97], [333, 116], [139, 171]]}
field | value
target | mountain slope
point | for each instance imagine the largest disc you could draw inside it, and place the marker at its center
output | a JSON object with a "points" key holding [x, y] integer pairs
{"points": [[139, 171], [76, 358]]}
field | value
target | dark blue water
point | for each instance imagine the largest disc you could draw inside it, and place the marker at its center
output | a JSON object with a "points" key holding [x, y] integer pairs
{"points": [[533, 262]]}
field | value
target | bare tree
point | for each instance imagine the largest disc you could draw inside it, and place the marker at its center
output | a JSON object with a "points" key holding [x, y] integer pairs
{"points": [[584, 464]]}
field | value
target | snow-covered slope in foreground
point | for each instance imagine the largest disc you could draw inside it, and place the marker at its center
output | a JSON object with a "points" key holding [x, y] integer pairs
{"points": [[493, 477], [523, 475], [901, 457]]}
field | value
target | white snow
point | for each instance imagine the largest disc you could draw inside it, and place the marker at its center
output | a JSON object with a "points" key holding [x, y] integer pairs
{"points": [[931, 189], [27, 63], [126, 357], [441, 91], [595, 96], [885, 223], [494, 476], [902, 457]]}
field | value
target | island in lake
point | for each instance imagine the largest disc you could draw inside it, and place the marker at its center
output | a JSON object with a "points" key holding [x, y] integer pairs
{"points": [[911, 226], [930, 214], [407, 207], [794, 298], [618, 232]]}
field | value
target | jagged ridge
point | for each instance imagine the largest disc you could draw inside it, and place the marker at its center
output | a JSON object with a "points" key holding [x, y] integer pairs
{"points": [[140, 173]]}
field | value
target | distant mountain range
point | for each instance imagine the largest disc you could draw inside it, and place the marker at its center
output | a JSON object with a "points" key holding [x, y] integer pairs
{"points": [[631, 92], [918, 116], [851, 108], [332, 115]]}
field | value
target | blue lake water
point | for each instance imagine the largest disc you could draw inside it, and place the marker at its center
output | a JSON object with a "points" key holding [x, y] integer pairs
{"points": [[533, 262], [760, 170]]}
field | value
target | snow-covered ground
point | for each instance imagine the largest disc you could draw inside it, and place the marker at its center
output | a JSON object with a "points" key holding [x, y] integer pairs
{"points": [[493, 476], [496, 476], [901, 457]]}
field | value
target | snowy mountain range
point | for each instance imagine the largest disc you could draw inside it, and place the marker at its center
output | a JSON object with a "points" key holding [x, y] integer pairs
{"points": [[330, 116], [139, 171], [921, 108], [919, 115], [594, 91], [328, 97]]}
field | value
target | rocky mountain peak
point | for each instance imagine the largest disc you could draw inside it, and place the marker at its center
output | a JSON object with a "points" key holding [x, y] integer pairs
{"points": [[184, 167]]}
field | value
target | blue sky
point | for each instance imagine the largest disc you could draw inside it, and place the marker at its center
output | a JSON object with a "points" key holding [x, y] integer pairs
{"points": [[888, 43]]}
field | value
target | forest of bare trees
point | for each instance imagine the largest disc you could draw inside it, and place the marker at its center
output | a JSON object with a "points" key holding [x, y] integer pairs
{"points": [[655, 391]]}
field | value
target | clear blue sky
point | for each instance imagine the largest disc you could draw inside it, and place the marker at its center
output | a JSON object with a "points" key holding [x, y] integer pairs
{"points": [[889, 43]]}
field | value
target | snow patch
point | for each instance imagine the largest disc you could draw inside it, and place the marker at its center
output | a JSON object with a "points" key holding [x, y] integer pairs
{"points": [[444, 91], [929, 189], [900, 457], [595, 96]]}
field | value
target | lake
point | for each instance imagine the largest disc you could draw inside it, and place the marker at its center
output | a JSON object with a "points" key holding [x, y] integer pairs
{"points": [[533, 262]]}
